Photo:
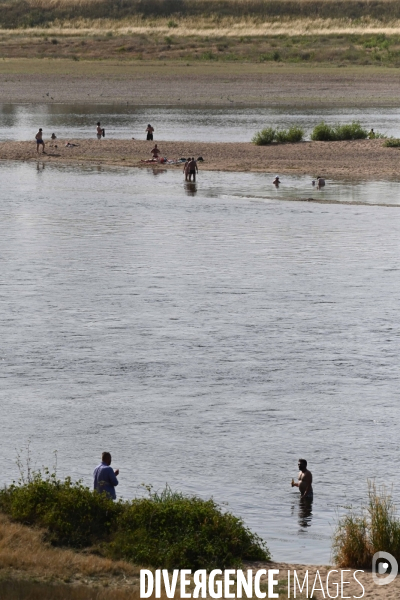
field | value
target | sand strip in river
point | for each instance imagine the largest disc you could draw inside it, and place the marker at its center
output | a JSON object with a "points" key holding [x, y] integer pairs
{"points": [[355, 160]]}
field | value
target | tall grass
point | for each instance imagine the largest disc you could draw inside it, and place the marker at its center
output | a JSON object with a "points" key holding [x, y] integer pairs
{"points": [[268, 135], [169, 530], [36, 13], [359, 535]]}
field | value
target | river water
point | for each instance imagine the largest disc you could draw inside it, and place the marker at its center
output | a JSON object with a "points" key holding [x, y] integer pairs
{"points": [[206, 335], [235, 124]]}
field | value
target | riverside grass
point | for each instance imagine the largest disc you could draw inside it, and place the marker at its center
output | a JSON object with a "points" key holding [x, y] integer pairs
{"points": [[103, 42], [34, 13], [167, 529], [361, 534]]}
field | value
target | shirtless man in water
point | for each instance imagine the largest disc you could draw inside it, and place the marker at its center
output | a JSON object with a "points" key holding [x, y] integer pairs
{"points": [[305, 481]]}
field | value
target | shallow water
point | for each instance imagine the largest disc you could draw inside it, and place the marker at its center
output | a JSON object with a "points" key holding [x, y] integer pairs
{"points": [[207, 336], [236, 124]]}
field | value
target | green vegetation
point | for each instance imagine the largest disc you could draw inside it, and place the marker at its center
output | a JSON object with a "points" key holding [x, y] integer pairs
{"points": [[333, 133], [392, 143], [360, 534], [151, 44], [168, 529], [22, 13], [267, 136]]}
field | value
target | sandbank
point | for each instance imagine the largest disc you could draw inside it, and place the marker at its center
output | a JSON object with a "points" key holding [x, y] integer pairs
{"points": [[355, 160]]}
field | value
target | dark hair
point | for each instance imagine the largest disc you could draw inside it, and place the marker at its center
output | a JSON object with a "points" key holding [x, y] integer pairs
{"points": [[303, 461], [98, 123], [192, 157], [105, 456], [40, 129]]}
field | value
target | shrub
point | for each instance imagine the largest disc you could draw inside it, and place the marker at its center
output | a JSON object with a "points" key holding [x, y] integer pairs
{"points": [[172, 529], [322, 133], [264, 137], [350, 132], [359, 536], [392, 143], [168, 529], [281, 136], [328, 133], [293, 135], [71, 513]]}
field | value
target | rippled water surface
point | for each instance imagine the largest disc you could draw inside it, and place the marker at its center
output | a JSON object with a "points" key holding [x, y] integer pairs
{"points": [[207, 336], [236, 124]]}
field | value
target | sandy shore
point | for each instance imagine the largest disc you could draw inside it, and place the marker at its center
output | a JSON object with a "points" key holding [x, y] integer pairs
{"points": [[362, 159], [372, 591]]}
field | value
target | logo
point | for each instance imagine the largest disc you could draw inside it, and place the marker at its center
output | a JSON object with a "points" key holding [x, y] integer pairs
{"points": [[384, 568]]}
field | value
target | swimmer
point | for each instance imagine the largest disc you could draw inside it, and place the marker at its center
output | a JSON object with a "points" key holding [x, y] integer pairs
{"points": [[320, 182], [305, 481], [276, 181]]}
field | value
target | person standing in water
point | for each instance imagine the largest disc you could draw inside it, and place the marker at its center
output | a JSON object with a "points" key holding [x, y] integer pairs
{"points": [[186, 168], [99, 131], [192, 169], [150, 131], [305, 481]]}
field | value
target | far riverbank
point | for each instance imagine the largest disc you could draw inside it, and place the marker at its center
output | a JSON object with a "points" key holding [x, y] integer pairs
{"points": [[195, 83]]}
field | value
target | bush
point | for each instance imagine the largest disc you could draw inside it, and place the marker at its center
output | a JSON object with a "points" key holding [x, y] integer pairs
{"points": [[264, 137], [71, 513], [350, 132], [293, 135], [172, 529], [392, 143], [167, 530], [328, 133], [281, 136], [374, 528]]}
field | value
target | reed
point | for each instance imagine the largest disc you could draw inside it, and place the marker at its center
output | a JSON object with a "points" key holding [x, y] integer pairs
{"points": [[359, 535]]}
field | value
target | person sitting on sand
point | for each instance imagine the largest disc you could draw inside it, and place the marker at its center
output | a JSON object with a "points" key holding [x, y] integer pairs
{"points": [[192, 168], [53, 136], [39, 141], [371, 134], [305, 481], [150, 131], [276, 181], [155, 152], [320, 182]]}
